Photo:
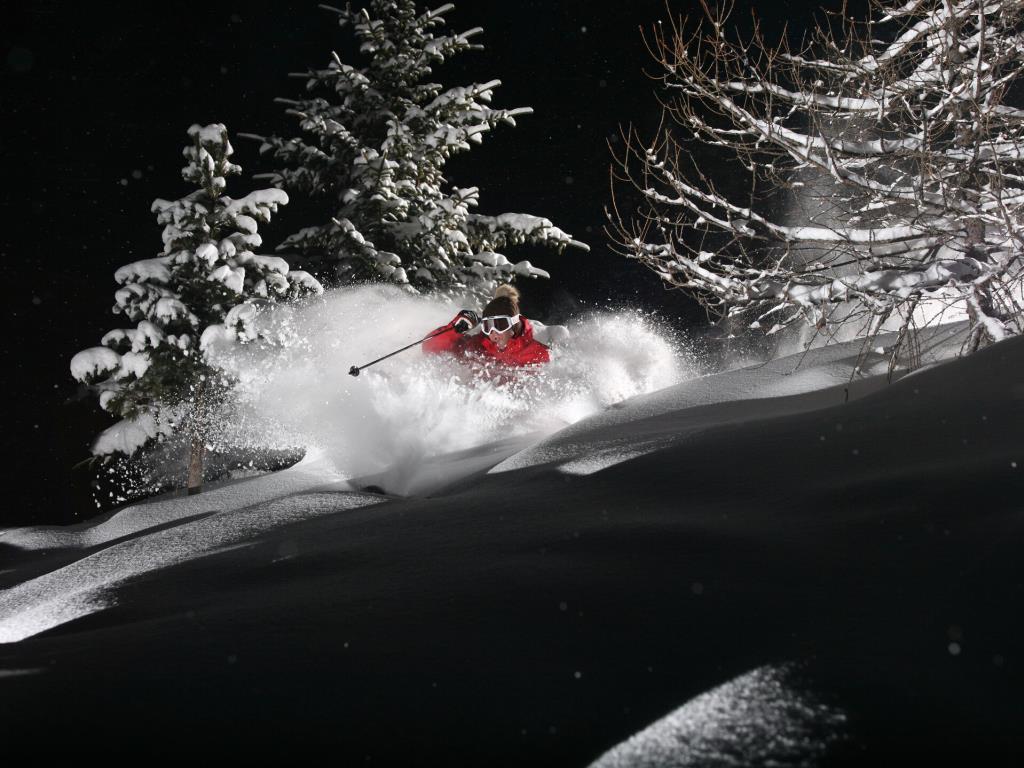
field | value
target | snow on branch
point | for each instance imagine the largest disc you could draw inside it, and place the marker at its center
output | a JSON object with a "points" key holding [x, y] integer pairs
{"points": [[206, 269], [877, 164], [375, 140]]}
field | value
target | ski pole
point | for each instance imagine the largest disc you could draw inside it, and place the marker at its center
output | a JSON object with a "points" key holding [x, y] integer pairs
{"points": [[355, 369]]}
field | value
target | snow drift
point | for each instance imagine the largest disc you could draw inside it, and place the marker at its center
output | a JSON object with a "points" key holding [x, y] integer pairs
{"points": [[544, 613]]}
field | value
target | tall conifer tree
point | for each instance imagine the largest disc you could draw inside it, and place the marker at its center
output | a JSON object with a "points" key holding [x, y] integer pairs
{"points": [[156, 376], [374, 143]]}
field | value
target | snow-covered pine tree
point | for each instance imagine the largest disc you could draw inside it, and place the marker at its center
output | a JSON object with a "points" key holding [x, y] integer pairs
{"points": [[905, 133], [155, 376], [374, 143]]}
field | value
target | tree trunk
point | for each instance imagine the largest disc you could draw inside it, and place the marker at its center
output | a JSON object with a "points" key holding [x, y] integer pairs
{"points": [[198, 450], [195, 465]]}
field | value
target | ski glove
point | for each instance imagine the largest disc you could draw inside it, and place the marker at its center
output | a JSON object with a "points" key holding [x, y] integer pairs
{"points": [[465, 321]]}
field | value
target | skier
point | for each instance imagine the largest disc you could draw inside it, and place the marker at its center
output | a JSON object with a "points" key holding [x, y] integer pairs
{"points": [[505, 335]]}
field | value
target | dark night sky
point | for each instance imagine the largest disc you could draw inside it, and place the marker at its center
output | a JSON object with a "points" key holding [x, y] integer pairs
{"points": [[96, 101]]}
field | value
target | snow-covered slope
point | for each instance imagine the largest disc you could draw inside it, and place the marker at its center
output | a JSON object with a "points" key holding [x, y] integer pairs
{"points": [[542, 614], [821, 377]]}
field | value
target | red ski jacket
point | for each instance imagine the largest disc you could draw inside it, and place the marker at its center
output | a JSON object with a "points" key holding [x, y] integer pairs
{"points": [[522, 349]]}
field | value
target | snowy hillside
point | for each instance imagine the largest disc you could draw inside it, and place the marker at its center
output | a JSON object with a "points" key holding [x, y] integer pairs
{"points": [[799, 562]]}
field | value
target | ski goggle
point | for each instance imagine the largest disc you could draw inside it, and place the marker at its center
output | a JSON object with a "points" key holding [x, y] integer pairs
{"points": [[498, 323]]}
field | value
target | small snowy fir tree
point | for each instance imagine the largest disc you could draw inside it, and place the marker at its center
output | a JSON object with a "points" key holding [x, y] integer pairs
{"points": [[375, 140], [874, 177], [155, 376]]}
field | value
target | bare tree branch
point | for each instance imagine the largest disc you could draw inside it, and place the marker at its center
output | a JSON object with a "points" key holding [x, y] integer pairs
{"points": [[874, 167]]}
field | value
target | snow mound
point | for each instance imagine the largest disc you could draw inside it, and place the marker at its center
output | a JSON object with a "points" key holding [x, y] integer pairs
{"points": [[762, 717], [90, 584], [835, 374]]}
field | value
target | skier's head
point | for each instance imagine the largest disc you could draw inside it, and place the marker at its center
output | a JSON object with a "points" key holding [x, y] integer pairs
{"points": [[501, 316], [505, 301]]}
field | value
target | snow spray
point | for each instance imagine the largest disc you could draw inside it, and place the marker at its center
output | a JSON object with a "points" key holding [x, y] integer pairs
{"points": [[414, 407]]}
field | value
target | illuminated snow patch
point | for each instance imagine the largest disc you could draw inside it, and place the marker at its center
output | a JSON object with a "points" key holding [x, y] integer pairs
{"points": [[602, 454], [588, 465], [760, 718], [60, 609], [21, 672]]}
